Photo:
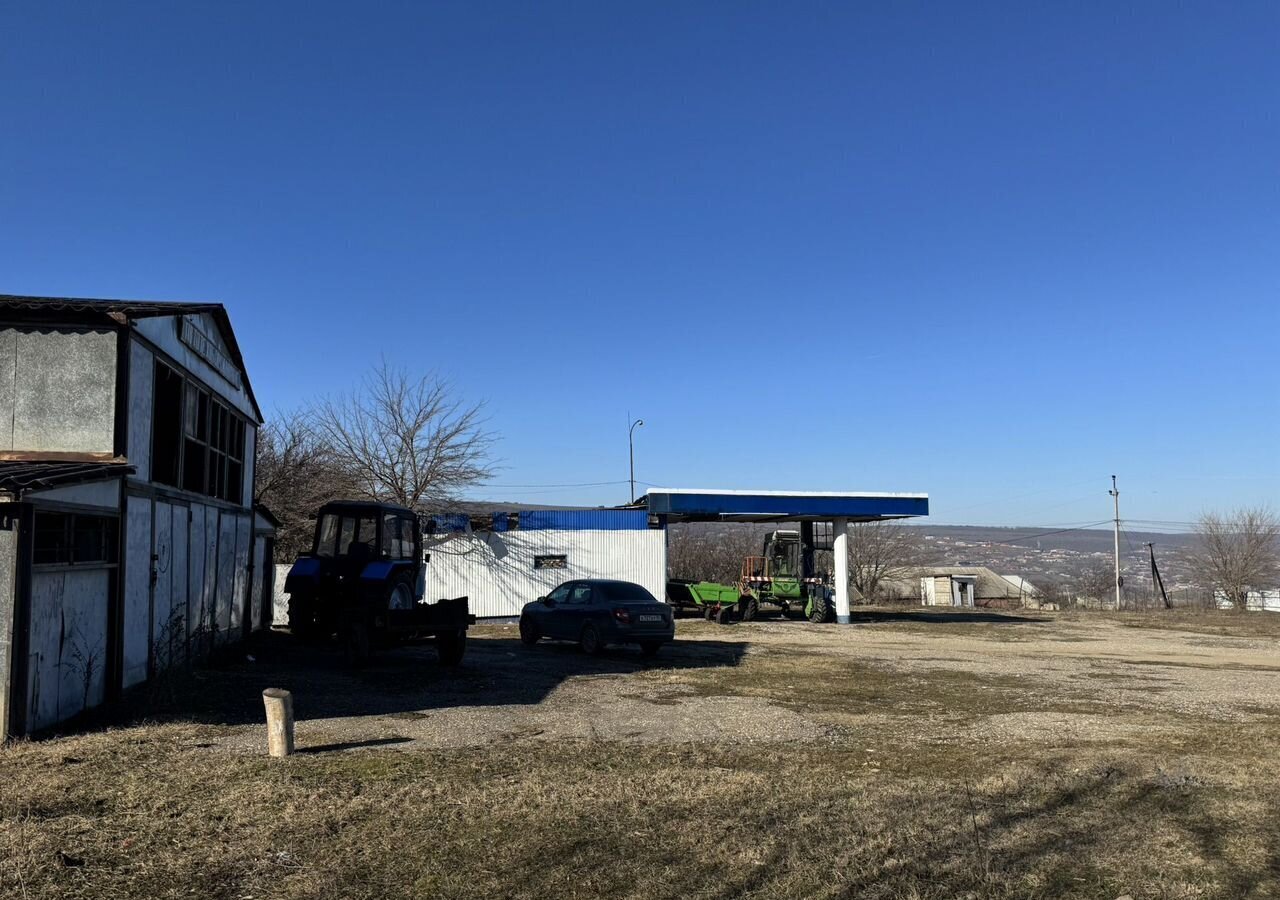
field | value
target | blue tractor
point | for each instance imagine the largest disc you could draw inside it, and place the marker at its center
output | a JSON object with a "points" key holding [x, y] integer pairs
{"points": [[364, 582]]}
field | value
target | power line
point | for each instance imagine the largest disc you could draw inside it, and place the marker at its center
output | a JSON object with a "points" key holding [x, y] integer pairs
{"points": [[1029, 537]]}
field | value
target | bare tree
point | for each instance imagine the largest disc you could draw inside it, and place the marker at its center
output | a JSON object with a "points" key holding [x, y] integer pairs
{"points": [[297, 473], [880, 553], [1240, 552], [405, 439], [1097, 582], [707, 552]]}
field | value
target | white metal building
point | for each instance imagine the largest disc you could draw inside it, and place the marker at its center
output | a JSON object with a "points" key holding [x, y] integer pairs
{"points": [[128, 539], [529, 553]]}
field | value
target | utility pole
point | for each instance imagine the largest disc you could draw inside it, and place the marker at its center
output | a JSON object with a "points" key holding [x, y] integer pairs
{"points": [[1115, 492], [1156, 580]]}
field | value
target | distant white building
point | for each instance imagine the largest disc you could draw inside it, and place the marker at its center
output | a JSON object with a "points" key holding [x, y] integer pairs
{"points": [[1268, 601]]}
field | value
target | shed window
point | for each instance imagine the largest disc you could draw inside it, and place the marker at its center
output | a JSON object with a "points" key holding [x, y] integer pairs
{"points": [[74, 539], [196, 437]]}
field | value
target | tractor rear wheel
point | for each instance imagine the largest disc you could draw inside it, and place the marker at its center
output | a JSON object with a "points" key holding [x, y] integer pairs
{"points": [[356, 642], [748, 607]]}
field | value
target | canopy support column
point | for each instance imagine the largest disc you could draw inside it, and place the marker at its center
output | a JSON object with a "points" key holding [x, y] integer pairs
{"points": [[840, 550]]}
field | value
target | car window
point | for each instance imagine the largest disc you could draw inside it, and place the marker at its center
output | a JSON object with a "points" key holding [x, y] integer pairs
{"points": [[559, 594], [581, 595], [626, 592]]}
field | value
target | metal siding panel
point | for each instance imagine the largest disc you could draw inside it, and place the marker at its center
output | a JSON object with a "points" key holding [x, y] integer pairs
{"points": [[137, 590], [501, 587], [197, 614], [162, 590], [584, 519], [141, 377], [178, 602], [224, 603], [239, 603]]}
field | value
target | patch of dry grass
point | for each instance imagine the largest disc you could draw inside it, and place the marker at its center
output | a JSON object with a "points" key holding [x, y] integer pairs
{"points": [[919, 789], [150, 813]]}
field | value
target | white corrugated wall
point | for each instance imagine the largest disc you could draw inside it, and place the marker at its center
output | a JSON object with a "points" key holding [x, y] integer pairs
{"points": [[469, 565]]}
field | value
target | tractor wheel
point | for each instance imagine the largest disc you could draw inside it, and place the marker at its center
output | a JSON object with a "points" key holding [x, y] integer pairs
{"points": [[529, 633], [748, 607], [450, 645], [590, 641], [724, 615], [400, 592], [356, 642], [303, 622]]}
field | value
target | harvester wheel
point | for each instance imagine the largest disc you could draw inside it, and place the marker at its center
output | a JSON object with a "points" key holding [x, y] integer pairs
{"points": [[724, 615], [820, 609], [708, 613], [748, 606]]}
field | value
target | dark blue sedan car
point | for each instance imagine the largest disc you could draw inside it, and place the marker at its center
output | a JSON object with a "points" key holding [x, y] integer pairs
{"points": [[596, 613]]}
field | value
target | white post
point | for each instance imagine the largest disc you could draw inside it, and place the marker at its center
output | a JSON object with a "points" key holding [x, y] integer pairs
{"points": [[840, 550], [279, 704]]}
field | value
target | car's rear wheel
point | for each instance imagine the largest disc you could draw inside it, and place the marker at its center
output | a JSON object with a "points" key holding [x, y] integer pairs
{"points": [[590, 641], [450, 645], [650, 648], [529, 632]]}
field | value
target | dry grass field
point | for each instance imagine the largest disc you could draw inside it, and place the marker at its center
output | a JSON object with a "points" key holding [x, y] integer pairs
{"points": [[910, 755]]}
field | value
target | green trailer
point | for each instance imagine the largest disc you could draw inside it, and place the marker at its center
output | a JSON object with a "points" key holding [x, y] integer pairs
{"points": [[716, 602]]}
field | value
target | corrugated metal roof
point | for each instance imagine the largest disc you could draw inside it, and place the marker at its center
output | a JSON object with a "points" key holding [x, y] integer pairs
{"points": [[584, 520], [19, 477]]}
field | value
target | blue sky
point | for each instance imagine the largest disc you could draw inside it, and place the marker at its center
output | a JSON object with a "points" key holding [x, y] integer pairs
{"points": [[992, 252]]}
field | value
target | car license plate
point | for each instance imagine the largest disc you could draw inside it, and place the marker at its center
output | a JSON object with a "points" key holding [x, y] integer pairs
{"points": [[650, 619]]}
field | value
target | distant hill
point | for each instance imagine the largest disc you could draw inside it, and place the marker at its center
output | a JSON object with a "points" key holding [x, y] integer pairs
{"points": [[1087, 540]]}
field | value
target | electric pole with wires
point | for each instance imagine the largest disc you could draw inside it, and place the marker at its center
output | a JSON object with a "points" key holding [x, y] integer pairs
{"points": [[1115, 493]]}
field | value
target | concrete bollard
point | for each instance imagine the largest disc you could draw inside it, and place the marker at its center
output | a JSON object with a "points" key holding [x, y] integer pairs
{"points": [[279, 704]]}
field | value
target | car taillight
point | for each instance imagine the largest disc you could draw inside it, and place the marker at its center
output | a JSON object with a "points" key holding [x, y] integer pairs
{"points": [[622, 616]]}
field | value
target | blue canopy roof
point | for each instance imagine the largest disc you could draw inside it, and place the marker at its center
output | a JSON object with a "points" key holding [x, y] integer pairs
{"points": [[681, 505]]}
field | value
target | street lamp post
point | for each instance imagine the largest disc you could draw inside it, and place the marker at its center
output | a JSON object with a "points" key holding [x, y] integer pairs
{"points": [[631, 448]]}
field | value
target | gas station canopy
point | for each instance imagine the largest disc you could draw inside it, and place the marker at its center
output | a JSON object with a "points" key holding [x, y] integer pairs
{"points": [[687, 505]]}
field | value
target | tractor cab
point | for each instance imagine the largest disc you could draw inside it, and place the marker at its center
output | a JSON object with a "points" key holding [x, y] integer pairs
{"points": [[365, 579]]}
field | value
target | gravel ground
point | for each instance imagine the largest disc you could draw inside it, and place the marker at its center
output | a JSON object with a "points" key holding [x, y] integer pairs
{"points": [[942, 679]]}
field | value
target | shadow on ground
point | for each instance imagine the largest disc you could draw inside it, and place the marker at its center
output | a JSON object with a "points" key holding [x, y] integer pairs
{"points": [[402, 680]]}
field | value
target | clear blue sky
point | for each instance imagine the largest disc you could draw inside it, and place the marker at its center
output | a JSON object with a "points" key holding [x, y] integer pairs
{"points": [[992, 252]]}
